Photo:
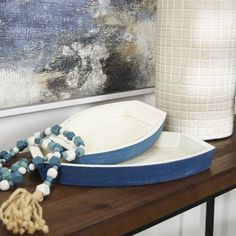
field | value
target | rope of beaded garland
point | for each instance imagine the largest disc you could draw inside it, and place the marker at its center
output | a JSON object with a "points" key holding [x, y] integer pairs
{"points": [[14, 175]]}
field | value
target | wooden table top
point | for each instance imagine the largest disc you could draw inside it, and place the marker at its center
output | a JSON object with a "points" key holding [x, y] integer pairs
{"points": [[114, 211]]}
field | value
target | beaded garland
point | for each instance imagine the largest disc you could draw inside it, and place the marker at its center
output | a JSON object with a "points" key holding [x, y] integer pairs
{"points": [[14, 174]]}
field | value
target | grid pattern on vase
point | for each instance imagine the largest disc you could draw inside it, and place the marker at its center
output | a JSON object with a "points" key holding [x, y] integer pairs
{"points": [[196, 65]]}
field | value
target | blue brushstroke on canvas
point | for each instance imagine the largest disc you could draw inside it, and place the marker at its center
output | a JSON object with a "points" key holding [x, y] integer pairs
{"points": [[52, 50], [40, 22]]}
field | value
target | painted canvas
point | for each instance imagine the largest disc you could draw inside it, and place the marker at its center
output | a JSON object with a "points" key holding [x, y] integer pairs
{"points": [[54, 50]]}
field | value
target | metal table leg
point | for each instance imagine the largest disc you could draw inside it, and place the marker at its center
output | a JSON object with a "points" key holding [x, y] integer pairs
{"points": [[210, 207]]}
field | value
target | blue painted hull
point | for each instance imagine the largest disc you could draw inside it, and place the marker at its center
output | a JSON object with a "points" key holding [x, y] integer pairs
{"points": [[132, 175]]}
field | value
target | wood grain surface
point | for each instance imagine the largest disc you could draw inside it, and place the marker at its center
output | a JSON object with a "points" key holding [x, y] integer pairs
{"points": [[115, 211]]}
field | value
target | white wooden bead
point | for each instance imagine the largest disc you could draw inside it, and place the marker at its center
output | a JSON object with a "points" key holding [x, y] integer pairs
{"points": [[31, 141], [57, 154], [70, 156], [15, 149], [52, 173], [45, 143], [48, 131], [22, 170], [31, 167], [37, 134], [61, 131], [44, 189], [4, 185]]}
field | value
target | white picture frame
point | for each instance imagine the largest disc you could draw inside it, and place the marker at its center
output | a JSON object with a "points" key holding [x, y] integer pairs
{"points": [[73, 102]]}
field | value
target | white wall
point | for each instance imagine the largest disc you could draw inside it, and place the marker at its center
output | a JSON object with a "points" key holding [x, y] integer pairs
{"points": [[225, 220], [190, 223]]}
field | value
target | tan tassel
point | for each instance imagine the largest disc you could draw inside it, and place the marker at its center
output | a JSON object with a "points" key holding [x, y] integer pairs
{"points": [[22, 213]]}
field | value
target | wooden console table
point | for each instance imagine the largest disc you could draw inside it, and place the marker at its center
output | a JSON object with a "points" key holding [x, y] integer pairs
{"points": [[127, 210]]}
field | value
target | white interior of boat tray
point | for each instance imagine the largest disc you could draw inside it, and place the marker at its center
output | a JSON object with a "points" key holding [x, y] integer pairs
{"points": [[113, 126], [170, 147]]}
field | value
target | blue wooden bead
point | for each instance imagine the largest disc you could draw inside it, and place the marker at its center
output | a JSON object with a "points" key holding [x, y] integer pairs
{"points": [[54, 161], [79, 152], [7, 157], [55, 167], [43, 134], [38, 162], [49, 178], [64, 155], [38, 140], [6, 175], [3, 170], [16, 177], [15, 166], [55, 147], [47, 183], [78, 141], [51, 145], [25, 160], [22, 144], [3, 153], [24, 164], [56, 129], [70, 135], [65, 133], [12, 153]]}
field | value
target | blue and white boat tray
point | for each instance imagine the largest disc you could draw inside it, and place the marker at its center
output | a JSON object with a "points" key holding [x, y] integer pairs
{"points": [[114, 132], [109, 138]]}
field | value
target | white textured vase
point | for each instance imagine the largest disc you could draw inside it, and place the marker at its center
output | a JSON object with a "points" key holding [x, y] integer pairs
{"points": [[196, 65]]}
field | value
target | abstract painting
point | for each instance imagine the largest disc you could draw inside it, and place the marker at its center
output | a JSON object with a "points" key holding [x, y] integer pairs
{"points": [[54, 50]]}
